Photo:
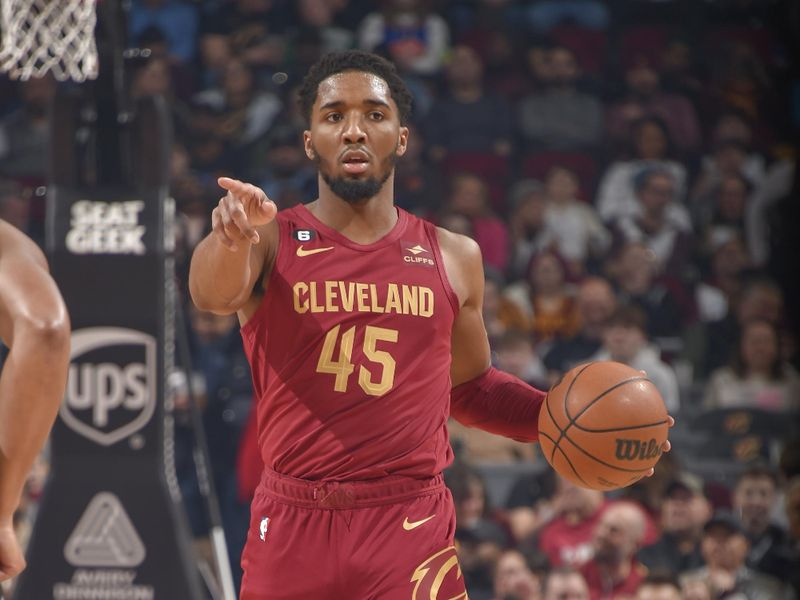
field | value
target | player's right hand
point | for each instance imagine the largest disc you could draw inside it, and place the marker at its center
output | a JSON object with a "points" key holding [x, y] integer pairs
{"points": [[243, 208], [12, 561]]}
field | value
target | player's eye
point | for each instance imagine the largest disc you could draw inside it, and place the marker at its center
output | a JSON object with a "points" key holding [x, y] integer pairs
{"points": [[376, 115], [334, 117]]}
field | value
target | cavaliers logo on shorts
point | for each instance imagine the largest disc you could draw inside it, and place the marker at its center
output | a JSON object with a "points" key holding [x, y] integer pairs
{"points": [[439, 578]]}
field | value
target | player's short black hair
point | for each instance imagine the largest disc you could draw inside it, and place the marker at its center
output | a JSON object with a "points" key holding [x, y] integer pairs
{"points": [[354, 60]]}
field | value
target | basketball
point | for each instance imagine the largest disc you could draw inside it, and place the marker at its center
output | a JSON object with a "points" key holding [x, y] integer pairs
{"points": [[602, 425]]}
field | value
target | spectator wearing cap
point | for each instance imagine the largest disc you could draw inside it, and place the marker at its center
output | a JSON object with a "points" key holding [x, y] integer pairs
{"points": [[684, 511], [755, 498], [614, 571], [625, 340], [724, 548]]}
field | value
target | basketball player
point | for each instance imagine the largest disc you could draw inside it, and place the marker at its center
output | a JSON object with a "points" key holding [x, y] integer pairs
{"points": [[363, 328], [35, 326]]}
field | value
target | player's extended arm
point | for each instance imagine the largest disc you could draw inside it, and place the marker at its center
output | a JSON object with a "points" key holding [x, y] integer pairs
{"points": [[34, 324], [226, 264], [482, 396]]}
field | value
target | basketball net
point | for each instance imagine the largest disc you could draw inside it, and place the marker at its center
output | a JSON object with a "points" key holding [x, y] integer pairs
{"points": [[41, 36]]}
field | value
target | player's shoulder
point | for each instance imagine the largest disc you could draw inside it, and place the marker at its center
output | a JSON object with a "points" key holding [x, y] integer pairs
{"points": [[458, 246]]}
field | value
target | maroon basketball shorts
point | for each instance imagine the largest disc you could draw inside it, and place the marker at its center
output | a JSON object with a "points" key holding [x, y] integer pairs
{"points": [[391, 539]]}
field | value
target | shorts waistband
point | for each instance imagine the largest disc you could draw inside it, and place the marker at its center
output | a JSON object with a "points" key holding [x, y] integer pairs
{"points": [[346, 494]]}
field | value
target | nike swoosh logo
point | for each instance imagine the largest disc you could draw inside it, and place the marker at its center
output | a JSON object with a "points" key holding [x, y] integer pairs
{"points": [[409, 525], [303, 252]]}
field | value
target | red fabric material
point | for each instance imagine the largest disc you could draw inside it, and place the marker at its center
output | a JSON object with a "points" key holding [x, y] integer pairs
{"points": [[499, 403], [350, 353], [299, 552]]}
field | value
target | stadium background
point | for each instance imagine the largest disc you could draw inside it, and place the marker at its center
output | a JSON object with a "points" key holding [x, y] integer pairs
{"points": [[628, 168]]}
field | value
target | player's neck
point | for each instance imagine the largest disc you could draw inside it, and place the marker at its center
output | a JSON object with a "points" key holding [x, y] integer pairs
{"points": [[364, 222]]}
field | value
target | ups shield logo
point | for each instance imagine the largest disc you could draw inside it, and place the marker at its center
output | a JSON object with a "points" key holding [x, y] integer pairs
{"points": [[637, 449]]}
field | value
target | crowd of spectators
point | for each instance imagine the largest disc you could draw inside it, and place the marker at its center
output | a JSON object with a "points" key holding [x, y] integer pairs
{"points": [[628, 170]]}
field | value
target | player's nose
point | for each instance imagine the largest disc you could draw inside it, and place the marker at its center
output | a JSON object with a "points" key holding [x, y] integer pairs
{"points": [[354, 131]]}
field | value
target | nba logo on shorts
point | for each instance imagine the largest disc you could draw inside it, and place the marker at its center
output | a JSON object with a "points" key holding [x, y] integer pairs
{"points": [[262, 528]]}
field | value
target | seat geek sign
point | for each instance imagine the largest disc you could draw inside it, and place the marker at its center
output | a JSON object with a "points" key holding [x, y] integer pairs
{"points": [[106, 228], [111, 390]]}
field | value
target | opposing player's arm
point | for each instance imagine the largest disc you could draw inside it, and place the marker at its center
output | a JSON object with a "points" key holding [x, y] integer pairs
{"points": [[227, 264], [482, 396], [34, 324]]}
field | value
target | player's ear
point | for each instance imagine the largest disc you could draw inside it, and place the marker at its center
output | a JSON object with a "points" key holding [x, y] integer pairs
{"points": [[402, 141], [308, 146]]}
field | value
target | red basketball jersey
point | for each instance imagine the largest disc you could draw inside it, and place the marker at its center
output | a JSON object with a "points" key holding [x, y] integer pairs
{"points": [[350, 353]]}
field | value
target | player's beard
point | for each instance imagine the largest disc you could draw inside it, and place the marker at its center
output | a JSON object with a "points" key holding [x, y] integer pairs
{"points": [[355, 191]]}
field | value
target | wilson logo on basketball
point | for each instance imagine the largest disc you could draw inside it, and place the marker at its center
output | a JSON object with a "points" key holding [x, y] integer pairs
{"points": [[637, 449]]}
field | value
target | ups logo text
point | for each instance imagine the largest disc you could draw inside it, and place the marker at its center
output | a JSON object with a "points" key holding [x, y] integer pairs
{"points": [[637, 449]]}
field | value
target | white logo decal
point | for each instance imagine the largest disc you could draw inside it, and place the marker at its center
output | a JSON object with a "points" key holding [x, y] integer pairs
{"points": [[104, 536], [263, 528], [107, 400], [417, 250], [106, 228]]}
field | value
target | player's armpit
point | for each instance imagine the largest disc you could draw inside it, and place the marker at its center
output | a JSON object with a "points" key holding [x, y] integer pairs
{"points": [[499, 403]]}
